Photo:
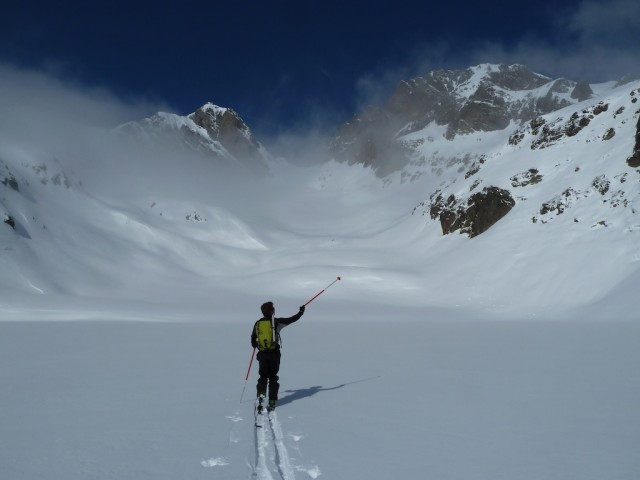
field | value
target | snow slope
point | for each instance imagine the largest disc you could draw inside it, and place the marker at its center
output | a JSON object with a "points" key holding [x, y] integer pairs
{"points": [[98, 221], [422, 398]]}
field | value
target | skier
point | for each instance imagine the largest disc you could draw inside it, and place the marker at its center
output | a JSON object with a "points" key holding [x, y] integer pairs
{"points": [[265, 336]]}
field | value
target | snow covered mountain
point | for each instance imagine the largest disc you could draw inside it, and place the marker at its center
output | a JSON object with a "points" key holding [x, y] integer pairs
{"points": [[474, 128], [484, 98], [213, 130], [155, 219]]}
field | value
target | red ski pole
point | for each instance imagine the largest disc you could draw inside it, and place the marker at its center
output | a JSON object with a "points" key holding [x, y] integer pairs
{"points": [[321, 292], [247, 377], [249, 369]]}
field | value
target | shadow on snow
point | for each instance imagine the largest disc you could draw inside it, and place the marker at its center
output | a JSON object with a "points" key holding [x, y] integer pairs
{"points": [[299, 394]]}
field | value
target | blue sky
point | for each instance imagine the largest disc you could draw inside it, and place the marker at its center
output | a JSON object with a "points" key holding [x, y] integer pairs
{"points": [[288, 65]]}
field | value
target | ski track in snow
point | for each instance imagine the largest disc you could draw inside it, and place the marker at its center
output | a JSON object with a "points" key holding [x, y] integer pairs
{"points": [[261, 470], [282, 456], [272, 457]]}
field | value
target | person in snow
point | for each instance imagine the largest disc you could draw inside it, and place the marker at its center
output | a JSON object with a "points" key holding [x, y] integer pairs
{"points": [[265, 336]]}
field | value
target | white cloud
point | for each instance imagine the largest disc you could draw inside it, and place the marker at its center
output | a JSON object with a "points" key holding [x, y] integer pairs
{"points": [[26, 92], [597, 42], [609, 21], [47, 119]]}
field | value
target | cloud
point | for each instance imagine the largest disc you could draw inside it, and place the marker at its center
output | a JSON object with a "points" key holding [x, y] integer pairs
{"points": [[596, 41], [28, 91], [46, 120], [614, 21], [44, 116]]}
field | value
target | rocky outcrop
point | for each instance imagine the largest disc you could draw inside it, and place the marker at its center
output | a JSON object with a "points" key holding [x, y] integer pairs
{"points": [[8, 219], [601, 184], [548, 134], [7, 178], [634, 160], [10, 181], [582, 91], [609, 134], [524, 179], [476, 215]]}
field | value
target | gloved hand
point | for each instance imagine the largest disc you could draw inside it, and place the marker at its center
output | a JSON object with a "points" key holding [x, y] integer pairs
{"points": [[301, 309]]}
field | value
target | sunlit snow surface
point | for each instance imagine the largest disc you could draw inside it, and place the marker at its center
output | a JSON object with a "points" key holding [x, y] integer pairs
{"points": [[413, 398]]}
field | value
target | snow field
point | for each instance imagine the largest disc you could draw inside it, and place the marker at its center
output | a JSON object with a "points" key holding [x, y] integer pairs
{"points": [[408, 398]]}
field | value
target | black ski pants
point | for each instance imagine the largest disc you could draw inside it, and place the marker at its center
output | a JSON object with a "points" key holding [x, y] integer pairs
{"points": [[269, 361]]}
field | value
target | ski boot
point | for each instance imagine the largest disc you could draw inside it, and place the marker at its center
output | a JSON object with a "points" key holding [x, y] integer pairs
{"points": [[272, 406]]}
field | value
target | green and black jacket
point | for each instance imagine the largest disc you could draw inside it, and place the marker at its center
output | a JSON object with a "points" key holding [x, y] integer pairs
{"points": [[278, 325]]}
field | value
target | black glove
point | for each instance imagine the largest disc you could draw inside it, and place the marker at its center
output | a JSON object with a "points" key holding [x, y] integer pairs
{"points": [[301, 310]]}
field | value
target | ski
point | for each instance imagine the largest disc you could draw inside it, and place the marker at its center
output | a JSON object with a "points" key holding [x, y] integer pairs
{"points": [[258, 420], [258, 411]]}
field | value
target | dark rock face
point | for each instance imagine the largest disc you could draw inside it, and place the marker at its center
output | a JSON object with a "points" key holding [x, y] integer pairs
{"points": [[10, 181], [484, 111], [226, 126], [582, 91], [424, 99], [634, 160], [368, 139], [8, 219], [609, 134], [477, 215]]}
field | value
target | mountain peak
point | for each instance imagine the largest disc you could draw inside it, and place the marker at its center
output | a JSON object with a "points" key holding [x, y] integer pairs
{"points": [[482, 98], [220, 122], [213, 130], [213, 108]]}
